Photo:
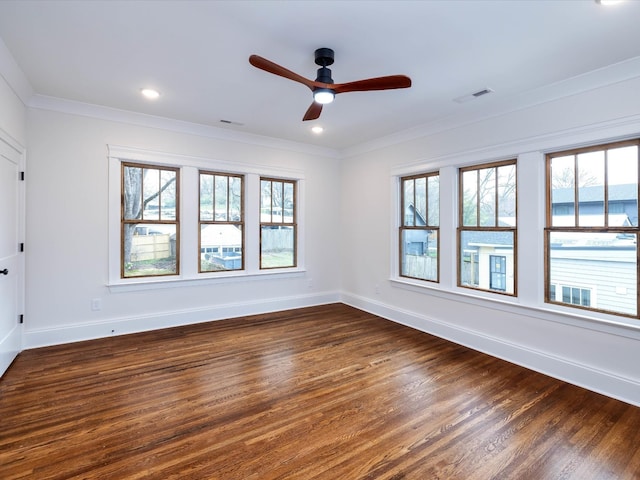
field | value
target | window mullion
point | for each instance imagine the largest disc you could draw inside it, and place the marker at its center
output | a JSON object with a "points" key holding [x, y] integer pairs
{"points": [[496, 207], [477, 198], [576, 191], [606, 188]]}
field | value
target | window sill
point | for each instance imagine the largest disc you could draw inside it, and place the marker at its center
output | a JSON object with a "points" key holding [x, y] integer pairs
{"points": [[611, 324], [136, 284]]}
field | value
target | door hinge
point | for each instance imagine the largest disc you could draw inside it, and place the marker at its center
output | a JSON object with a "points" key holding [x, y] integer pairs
{"points": [[21, 318], [22, 176], [21, 247]]}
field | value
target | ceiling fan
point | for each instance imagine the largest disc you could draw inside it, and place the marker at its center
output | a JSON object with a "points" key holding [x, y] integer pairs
{"points": [[323, 88]]}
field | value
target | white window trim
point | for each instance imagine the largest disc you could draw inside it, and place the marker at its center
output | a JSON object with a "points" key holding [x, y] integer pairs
{"points": [[189, 170]]}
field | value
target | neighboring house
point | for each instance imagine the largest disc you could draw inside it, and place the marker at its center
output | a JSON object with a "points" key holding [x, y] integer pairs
{"points": [[487, 257], [623, 199], [221, 244]]}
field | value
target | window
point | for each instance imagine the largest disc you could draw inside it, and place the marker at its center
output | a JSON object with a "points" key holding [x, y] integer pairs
{"points": [[277, 223], [487, 227], [149, 221], [419, 229], [182, 219], [498, 270], [596, 237], [221, 234]]}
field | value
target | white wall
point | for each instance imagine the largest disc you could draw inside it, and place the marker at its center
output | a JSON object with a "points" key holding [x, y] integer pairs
{"points": [[602, 355], [67, 233]]}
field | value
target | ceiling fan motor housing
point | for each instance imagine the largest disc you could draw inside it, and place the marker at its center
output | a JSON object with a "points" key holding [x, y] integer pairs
{"points": [[324, 57]]}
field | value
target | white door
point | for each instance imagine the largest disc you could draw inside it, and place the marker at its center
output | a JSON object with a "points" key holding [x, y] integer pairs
{"points": [[11, 261]]}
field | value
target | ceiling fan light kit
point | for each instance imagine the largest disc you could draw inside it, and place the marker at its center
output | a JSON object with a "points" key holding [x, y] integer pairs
{"points": [[323, 95], [323, 88]]}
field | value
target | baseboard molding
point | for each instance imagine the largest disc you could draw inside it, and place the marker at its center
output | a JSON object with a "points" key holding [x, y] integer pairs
{"points": [[142, 323], [606, 383], [10, 346]]}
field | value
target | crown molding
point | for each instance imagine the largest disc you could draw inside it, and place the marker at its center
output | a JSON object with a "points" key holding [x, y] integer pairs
{"points": [[606, 76], [44, 102], [13, 75]]}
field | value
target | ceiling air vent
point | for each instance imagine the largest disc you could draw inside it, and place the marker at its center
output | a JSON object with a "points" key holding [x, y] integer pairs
{"points": [[471, 96], [230, 122]]}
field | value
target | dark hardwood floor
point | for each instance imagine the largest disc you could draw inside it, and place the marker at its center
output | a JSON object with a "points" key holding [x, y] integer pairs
{"points": [[327, 392]]}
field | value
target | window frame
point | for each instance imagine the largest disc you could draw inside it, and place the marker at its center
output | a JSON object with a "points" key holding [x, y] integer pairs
{"points": [[138, 221], [549, 228], [240, 222], [461, 228], [402, 227], [293, 224]]}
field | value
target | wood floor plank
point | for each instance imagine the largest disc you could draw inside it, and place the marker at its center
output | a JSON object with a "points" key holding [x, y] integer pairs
{"points": [[321, 393]]}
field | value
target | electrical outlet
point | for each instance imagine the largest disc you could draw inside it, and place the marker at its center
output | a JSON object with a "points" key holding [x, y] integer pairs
{"points": [[96, 304], [310, 283]]}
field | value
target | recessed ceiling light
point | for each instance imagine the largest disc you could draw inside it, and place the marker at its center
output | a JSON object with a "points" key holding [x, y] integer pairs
{"points": [[608, 2], [150, 93], [317, 129]]}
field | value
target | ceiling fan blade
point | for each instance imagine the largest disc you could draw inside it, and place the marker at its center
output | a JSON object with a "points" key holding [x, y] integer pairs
{"points": [[378, 83], [313, 111], [268, 66]]}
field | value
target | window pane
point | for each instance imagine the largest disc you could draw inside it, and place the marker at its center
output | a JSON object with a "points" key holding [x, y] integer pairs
{"points": [[421, 201], [220, 247], [168, 195], [507, 196], [277, 246], [433, 187], [563, 191], [132, 195], [287, 203], [469, 198], [206, 197], [487, 195], [149, 249], [276, 202], [265, 201], [604, 264], [477, 269], [221, 191], [591, 189], [151, 194], [235, 201], [419, 254], [622, 177], [409, 210]]}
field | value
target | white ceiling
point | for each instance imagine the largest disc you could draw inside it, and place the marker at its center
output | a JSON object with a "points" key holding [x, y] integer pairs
{"points": [[196, 53]]}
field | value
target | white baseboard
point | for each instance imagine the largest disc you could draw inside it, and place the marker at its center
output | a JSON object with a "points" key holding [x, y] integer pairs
{"points": [[10, 346], [606, 383], [142, 323]]}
